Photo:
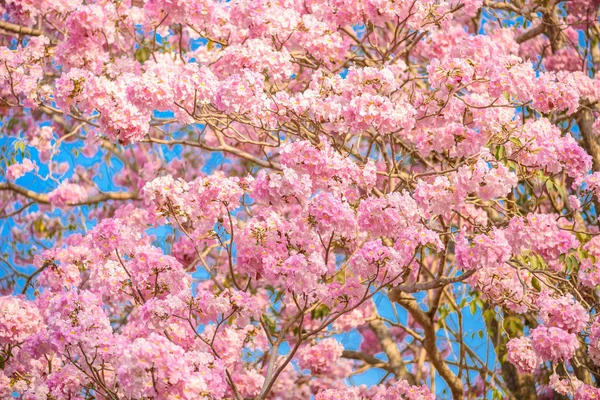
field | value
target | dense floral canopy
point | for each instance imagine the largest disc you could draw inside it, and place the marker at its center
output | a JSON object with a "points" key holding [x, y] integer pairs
{"points": [[255, 199]]}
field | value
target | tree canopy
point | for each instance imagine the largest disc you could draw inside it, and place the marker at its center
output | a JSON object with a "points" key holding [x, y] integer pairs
{"points": [[279, 199]]}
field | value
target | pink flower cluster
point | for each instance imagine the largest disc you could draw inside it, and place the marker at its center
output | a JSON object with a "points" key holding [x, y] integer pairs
{"points": [[562, 312], [152, 366], [20, 319], [321, 357], [563, 317], [554, 344], [520, 354], [16, 171], [67, 193], [285, 164]]}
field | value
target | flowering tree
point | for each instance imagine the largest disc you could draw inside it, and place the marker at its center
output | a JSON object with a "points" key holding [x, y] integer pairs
{"points": [[205, 199]]}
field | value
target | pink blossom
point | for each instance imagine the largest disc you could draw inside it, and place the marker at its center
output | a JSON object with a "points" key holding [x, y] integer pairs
{"points": [[562, 312], [574, 203], [520, 354], [403, 389], [566, 387], [586, 392], [174, 371], [271, 171], [351, 393], [540, 233], [485, 251], [321, 357], [20, 319], [16, 171], [594, 339], [67, 194], [554, 344]]}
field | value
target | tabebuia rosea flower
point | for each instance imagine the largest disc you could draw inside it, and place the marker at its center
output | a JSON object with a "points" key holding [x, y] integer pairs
{"points": [[299, 199]]}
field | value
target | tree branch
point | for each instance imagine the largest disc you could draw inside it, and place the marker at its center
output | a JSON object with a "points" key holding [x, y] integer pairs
{"points": [[42, 198], [585, 121], [396, 365], [18, 29], [367, 358], [410, 304], [436, 283], [531, 33]]}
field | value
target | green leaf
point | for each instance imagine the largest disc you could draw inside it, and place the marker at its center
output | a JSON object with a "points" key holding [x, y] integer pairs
{"points": [[39, 226], [561, 189], [19, 146], [488, 315], [569, 262], [541, 261], [533, 261], [443, 312], [473, 308], [142, 54], [500, 152], [11, 123], [536, 284], [574, 262], [516, 141], [320, 312], [583, 237]]}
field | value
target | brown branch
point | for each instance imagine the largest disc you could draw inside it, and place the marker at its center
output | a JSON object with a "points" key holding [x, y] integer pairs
{"points": [[500, 6], [367, 358], [18, 29], [429, 344], [42, 198], [585, 121], [396, 365], [531, 33], [222, 147], [519, 386], [436, 283]]}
